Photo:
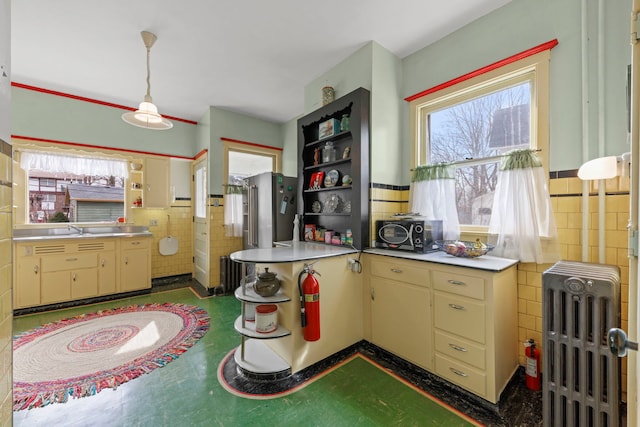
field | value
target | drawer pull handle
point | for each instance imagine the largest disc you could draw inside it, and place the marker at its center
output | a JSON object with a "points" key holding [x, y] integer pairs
{"points": [[396, 270], [459, 373], [35, 269], [135, 243], [73, 277], [457, 307], [456, 282], [457, 348], [373, 294], [71, 259], [102, 262], [126, 260]]}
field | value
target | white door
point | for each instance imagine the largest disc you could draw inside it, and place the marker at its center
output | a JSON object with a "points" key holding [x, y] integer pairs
{"points": [[201, 221]]}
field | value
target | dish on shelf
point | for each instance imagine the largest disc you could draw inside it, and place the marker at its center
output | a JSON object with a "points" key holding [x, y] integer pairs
{"points": [[316, 207], [331, 205], [332, 178], [347, 207]]}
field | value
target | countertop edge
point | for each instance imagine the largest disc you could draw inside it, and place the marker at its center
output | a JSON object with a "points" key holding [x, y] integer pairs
{"points": [[291, 252], [485, 262], [37, 239]]}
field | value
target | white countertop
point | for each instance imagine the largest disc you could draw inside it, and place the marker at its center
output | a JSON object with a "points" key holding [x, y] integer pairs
{"points": [[485, 262], [296, 251]]}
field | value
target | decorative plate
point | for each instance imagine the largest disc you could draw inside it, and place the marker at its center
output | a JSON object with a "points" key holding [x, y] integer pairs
{"points": [[331, 205], [316, 207], [332, 178], [347, 207]]}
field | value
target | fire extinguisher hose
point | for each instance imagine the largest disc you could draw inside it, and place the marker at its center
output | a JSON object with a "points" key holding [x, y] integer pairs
{"points": [[303, 314]]}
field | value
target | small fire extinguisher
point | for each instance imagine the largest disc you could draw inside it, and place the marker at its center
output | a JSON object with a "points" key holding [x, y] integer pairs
{"points": [[309, 303], [533, 365]]}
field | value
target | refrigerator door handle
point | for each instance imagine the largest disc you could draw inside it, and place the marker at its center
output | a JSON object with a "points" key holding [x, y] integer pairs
{"points": [[252, 213]]}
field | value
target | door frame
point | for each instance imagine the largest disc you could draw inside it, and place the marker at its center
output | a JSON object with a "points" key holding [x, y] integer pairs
{"points": [[201, 161]]}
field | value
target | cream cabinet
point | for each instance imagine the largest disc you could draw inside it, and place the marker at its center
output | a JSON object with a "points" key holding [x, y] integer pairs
{"points": [[68, 276], [156, 183], [401, 309], [26, 288], [459, 323], [135, 264], [54, 271]]}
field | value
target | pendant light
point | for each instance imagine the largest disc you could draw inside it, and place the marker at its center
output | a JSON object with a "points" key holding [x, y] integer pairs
{"points": [[146, 116]]}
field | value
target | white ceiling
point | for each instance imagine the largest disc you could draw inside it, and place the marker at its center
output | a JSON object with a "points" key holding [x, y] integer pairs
{"points": [[249, 56]]}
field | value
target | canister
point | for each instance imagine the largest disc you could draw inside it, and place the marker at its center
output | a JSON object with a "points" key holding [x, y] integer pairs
{"points": [[266, 318], [327, 236]]}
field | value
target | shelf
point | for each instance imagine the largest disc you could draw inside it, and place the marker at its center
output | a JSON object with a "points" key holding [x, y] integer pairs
{"points": [[334, 137], [251, 296], [327, 214], [249, 330], [328, 164], [338, 187], [258, 359]]}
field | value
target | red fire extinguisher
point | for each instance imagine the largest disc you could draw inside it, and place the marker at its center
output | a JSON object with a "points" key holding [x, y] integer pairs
{"points": [[309, 303], [533, 365]]}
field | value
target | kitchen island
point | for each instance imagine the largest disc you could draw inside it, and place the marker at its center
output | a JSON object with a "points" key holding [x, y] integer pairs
{"points": [[340, 308]]}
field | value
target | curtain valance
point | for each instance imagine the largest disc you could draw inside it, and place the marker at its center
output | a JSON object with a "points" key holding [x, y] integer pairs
{"points": [[77, 165]]}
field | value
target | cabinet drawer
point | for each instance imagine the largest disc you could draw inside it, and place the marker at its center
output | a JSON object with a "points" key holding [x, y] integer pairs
{"points": [[462, 375], [68, 262], [135, 243], [460, 316], [461, 350], [459, 284], [402, 271]]}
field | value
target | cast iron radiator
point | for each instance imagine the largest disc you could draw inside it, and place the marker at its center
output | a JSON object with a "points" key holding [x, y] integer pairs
{"points": [[581, 386], [230, 274]]}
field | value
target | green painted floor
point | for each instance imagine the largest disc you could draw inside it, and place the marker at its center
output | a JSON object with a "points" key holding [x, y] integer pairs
{"points": [[186, 392]]}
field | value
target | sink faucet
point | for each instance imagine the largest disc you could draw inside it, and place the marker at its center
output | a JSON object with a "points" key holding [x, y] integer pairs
{"points": [[78, 229]]}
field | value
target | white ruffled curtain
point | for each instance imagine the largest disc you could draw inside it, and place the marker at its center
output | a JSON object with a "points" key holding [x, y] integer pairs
{"points": [[233, 211], [433, 195], [76, 165], [522, 223]]}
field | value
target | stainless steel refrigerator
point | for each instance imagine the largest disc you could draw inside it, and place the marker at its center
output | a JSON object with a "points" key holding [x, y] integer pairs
{"points": [[269, 208]]}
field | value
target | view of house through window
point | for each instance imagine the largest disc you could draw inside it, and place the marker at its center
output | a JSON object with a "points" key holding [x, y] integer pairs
{"points": [[472, 123], [63, 189], [472, 133]]}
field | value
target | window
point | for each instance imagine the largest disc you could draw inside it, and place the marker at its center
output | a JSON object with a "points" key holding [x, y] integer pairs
{"points": [[73, 188], [472, 123]]}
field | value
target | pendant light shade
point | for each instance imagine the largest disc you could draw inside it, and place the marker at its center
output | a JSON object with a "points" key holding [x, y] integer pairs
{"points": [[146, 116]]}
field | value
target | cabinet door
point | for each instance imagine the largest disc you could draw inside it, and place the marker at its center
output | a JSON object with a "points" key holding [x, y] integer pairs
{"points": [[107, 273], [55, 287], [156, 183], [84, 283], [27, 285], [400, 320], [134, 270]]}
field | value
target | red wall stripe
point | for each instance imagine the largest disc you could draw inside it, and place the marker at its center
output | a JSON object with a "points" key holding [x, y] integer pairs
{"points": [[237, 141], [77, 144], [518, 56], [201, 153], [93, 101]]}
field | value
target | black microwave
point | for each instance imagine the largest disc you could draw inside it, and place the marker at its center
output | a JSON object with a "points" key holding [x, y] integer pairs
{"points": [[408, 234]]}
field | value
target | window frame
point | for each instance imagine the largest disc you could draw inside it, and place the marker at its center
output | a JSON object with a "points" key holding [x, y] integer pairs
{"points": [[534, 68]]}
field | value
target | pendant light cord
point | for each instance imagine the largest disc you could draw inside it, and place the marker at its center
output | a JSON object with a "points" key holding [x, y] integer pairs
{"points": [[148, 95]]}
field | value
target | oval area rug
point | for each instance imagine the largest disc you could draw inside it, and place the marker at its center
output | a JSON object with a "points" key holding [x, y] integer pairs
{"points": [[83, 355]]}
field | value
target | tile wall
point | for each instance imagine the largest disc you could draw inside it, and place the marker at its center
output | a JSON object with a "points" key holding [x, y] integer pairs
{"points": [[221, 245], [566, 198], [6, 316], [181, 227]]}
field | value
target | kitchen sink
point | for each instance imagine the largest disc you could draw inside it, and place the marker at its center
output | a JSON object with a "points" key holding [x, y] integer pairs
{"points": [[69, 232]]}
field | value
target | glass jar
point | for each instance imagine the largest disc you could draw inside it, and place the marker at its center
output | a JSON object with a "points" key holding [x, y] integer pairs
{"points": [[328, 153], [345, 123]]}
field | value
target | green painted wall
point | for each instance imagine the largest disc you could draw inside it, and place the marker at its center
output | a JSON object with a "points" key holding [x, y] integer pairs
{"points": [[227, 124], [522, 24], [39, 115], [290, 148]]}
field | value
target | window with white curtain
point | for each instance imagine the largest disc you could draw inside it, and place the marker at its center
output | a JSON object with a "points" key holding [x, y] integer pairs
{"points": [[80, 188], [471, 124]]}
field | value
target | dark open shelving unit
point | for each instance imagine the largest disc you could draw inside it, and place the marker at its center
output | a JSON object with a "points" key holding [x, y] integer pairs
{"points": [[356, 105]]}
